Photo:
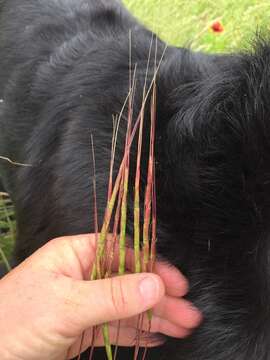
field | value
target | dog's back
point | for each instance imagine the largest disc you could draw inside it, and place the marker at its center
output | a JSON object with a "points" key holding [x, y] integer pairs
{"points": [[64, 70]]}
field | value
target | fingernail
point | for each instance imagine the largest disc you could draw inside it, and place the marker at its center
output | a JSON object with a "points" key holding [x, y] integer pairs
{"points": [[149, 289]]}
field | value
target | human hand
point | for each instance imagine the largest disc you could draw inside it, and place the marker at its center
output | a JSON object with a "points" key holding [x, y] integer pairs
{"points": [[45, 305]]}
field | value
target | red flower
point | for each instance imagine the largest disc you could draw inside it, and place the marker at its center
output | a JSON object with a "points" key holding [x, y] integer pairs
{"points": [[217, 27]]}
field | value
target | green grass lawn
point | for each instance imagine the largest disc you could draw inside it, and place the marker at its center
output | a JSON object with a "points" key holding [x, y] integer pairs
{"points": [[7, 227], [188, 22], [182, 23]]}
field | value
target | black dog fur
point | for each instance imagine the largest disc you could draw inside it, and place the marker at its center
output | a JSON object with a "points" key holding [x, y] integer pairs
{"points": [[64, 70]]}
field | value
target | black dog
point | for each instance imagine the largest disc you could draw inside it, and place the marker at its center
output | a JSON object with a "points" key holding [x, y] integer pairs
{"points": [[64, 70]]}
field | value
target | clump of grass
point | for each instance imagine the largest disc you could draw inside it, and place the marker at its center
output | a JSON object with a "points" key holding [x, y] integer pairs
{"points": [[7, 221], [7, 229], [115, 217]]}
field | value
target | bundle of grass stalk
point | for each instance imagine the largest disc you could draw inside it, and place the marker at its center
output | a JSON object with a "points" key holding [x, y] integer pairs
{"points": [[115, 218]]}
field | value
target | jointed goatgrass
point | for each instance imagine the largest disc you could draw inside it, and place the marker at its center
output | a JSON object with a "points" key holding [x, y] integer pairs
{"points": [[125, 183], [117, 205]]}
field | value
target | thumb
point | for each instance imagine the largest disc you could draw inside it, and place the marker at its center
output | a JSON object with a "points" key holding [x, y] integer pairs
{"points": [[115, 298]]}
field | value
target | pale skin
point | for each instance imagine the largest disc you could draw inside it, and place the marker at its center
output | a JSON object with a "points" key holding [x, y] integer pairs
{"points": [[46, 305]]}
